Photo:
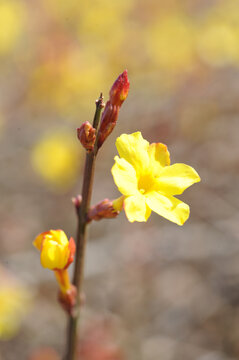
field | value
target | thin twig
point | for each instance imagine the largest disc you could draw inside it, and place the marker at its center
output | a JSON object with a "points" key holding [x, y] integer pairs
{"points": [[81, 237]]}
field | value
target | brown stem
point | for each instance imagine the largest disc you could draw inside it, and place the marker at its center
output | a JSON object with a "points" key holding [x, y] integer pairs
{"points": [[81, 237]]}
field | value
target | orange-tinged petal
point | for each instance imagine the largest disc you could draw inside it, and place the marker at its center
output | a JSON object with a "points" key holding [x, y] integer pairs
{"points": [[72, 250], [63, 280], [158, 157], [124, 176], [136, 208], [174, 179], [39, 240], [169, 207], [134, 149]]}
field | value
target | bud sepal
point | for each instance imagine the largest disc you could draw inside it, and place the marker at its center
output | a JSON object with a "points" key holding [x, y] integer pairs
{"points": [[67, 299], [108, 122], [87, 135]]}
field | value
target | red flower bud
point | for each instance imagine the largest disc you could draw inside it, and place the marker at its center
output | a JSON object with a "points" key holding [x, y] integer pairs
{"points": [[118, 94], [120, 89], [86, 135], [108, 122], [77, 202], [103, 210]]}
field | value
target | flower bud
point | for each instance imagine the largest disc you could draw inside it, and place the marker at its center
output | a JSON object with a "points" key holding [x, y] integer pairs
{"points": [[103, 210], [77, 202], [120, 89], [118, 93], [108, 122], [86, 135], [57, 252]]}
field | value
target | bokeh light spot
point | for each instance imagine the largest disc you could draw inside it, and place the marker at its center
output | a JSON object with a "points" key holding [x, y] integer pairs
{"points": [[12, 20], [56, 159]]}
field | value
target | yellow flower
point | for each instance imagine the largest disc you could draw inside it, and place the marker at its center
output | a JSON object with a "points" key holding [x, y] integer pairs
{"points": [[57, 254], [56, 251], [144, 176]]}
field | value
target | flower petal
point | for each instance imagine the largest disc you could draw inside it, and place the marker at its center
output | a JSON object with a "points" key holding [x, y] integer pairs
{"points": [[39, 239], [54, 256], [174, 179], [169, 207], [134, 149], [124, 176], [158, 157], [72, 250], [136, 208], [60, 237]]}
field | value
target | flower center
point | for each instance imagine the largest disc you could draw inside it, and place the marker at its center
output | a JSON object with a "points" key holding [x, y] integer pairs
{"points": [[145, 183]]}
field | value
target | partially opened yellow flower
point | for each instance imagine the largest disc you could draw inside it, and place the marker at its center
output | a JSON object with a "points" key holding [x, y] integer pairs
{"points": [[56, 251], [144, 176]]}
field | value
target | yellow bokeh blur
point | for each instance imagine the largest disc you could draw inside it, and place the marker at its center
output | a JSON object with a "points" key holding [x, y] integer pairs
{"points": [[101, 22], [12, 20], [15, 301], [92, 40], [226, 12], [218, 44], [217, 35], [56, 159], [169, 42], [70, 80], [79, 72]]}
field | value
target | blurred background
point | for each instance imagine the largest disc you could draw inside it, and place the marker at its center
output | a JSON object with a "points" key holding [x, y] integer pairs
{"points": [[154, 291]]}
